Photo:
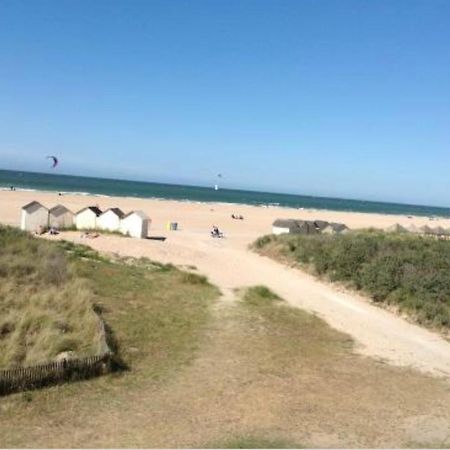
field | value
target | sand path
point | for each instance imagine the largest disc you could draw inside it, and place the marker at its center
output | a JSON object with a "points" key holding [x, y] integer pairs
{"points": [[377, 332], [229, 264]]}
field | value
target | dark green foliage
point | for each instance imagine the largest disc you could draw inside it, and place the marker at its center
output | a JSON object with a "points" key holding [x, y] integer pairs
{"points": [[409, 271]]}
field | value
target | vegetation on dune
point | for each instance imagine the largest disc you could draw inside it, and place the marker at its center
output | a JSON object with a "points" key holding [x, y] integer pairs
{"points": [[406, 271], [52, 292], [157, 312], [44, 308]]}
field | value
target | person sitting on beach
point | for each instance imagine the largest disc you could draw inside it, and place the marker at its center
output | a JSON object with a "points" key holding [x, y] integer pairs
{"points": [[215, 232], [53, 231]]}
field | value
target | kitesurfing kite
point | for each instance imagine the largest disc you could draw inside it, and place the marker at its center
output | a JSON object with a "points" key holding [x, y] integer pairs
{"points": [[55, 160]]}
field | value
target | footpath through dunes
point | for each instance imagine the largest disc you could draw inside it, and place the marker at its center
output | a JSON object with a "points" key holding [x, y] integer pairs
{"points": [[230, 265]]}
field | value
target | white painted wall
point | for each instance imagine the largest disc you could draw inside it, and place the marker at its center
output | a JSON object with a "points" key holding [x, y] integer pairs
{"points": [[62, 221], [280, 230], [86, 220], [108, 221], [32, 221], [135, 226]]}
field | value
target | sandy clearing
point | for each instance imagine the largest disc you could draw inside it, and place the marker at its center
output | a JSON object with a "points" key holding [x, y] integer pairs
{"points": [[230, 265]]}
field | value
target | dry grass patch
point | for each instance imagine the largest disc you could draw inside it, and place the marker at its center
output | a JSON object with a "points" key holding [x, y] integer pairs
{"points": [[204, 374], [45, 309]]}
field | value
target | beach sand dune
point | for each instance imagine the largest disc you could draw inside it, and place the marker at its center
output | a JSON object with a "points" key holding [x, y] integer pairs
{"points": [[229, 264]]}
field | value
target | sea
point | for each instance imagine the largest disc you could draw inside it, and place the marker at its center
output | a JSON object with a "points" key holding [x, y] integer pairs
{"points": [[122, 188]]}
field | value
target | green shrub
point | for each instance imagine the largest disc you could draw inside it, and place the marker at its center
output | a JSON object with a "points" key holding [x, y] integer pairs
{"points": [[409, 271]]}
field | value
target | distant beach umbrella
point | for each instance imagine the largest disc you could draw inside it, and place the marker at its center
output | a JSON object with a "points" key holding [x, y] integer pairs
{"points": [[55, 160]]}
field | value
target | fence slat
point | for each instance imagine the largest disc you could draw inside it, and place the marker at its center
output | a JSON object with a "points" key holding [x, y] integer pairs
{"points": [[22, 378]]}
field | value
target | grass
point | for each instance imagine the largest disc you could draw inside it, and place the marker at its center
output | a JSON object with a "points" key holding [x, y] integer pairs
{"points": [[157, 312], [287, 333], [249, 374], [254, 442], [45, 309], [51, 292], [405, 271]]}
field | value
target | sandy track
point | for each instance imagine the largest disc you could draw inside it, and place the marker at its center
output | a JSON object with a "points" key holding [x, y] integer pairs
{"points": [[229, 264], [377, 332]]}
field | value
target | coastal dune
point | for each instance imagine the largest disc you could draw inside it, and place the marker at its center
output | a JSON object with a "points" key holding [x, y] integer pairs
{"points": [[230, 265]]}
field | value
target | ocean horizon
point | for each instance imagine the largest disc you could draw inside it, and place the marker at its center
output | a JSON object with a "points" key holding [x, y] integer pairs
{"points": [[35, 181]]}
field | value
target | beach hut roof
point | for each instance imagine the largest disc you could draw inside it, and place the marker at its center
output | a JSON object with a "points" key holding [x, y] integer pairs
{"points": [[440, 231], [59, 210], [335, 228], [284, 223], [321, 224], [140, 214], [413, 229], [117, 211], [338, 227], [32, 207], [426, 229], [97, 211], [306, 227], [397, 228]]}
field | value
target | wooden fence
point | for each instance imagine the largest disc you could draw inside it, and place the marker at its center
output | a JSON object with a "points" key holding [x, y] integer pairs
{"points": [[25, 378]]}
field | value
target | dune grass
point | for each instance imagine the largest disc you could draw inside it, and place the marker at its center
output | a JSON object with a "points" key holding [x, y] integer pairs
{"points": [[406, 271], [45, 309], [52, 294], [156, 311], [288, 333]]}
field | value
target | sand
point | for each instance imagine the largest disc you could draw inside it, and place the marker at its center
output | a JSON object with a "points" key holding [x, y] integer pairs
{"points": [[229, 264]]}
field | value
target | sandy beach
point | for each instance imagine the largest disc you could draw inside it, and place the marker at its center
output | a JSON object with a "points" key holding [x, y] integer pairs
{"points": [[229, 264]]}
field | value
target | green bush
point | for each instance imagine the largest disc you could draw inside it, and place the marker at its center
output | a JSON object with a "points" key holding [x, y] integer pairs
{"points": [[409, 271]]}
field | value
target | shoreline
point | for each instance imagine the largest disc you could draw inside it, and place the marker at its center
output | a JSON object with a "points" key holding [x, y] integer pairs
{"points": [[62, 194]]}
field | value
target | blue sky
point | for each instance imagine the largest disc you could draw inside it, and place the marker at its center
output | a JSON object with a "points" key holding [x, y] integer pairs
{"points": [[335, 98]]}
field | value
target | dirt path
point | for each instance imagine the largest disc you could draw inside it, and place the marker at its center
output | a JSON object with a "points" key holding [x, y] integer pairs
{"points": [[229, 264]]}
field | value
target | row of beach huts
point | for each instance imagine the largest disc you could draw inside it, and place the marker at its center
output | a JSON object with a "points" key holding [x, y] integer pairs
{"points": [[294, 226], [425, 230], [36, 216]]}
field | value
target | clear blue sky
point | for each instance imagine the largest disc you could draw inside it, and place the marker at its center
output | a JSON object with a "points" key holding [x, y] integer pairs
{"points": [[337, 98]]}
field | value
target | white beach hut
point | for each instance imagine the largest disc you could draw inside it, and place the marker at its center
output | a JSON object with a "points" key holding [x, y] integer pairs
{"points": [[135, 224], [110, 219], [60, 217], [86, 219], [34, 217]]}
